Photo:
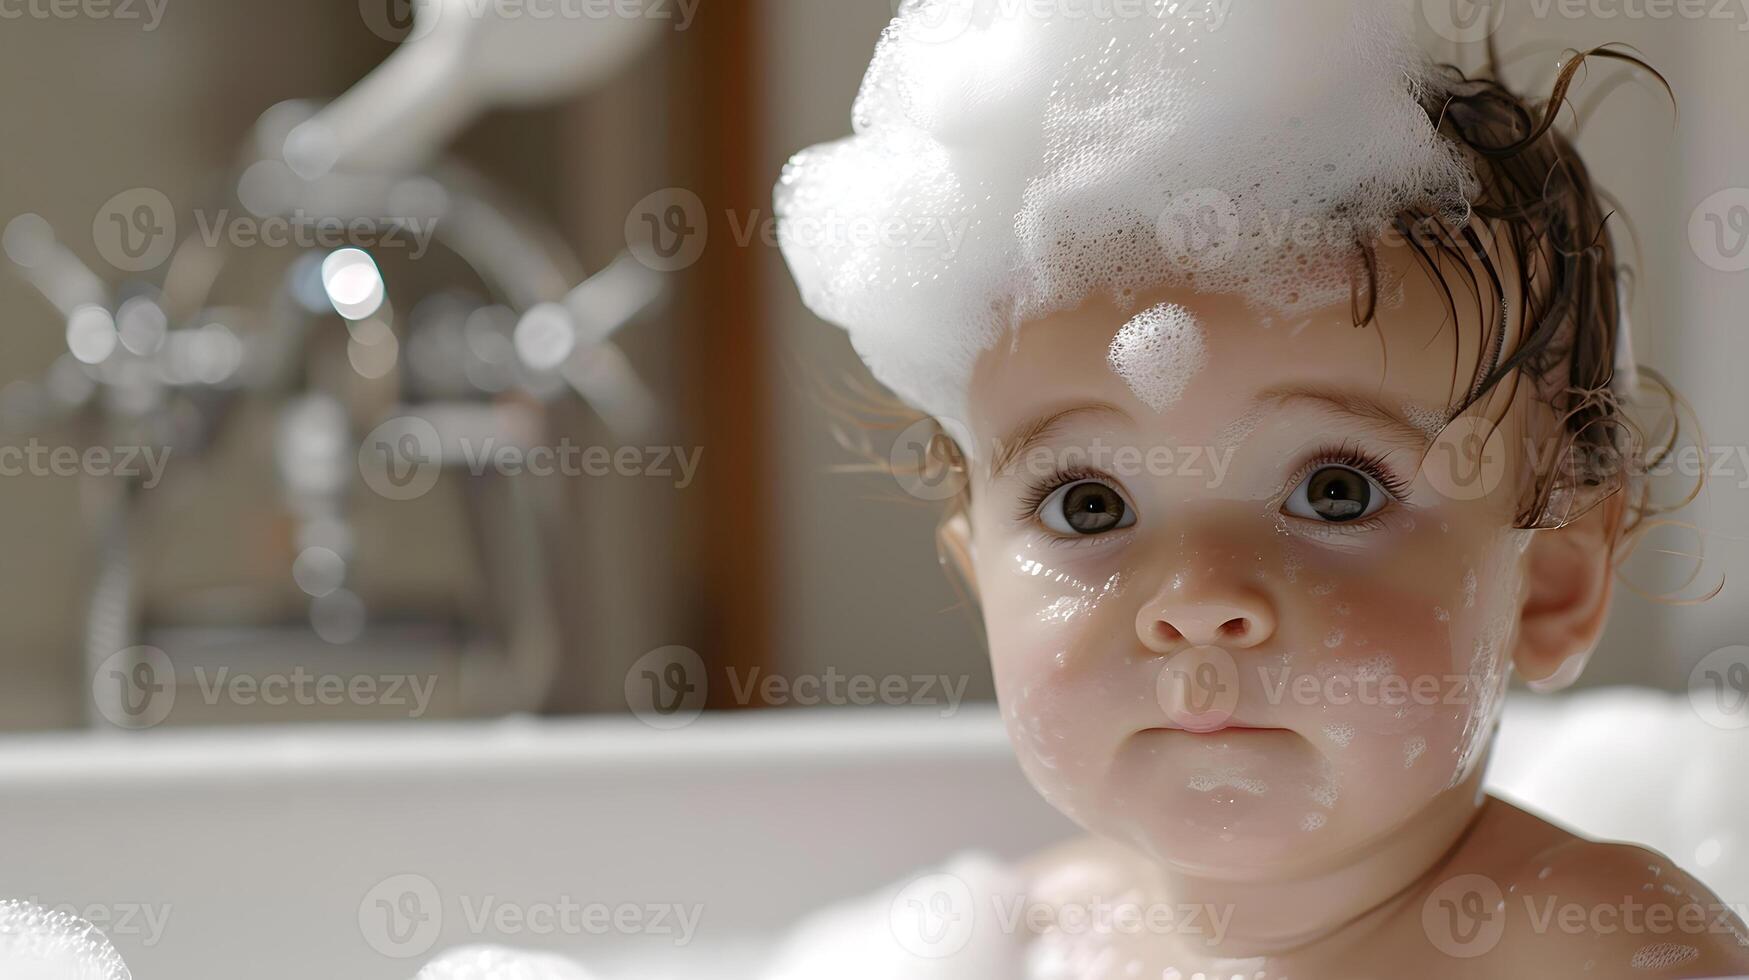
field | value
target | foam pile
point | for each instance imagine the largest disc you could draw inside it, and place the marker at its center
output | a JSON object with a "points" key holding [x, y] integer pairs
{"points": [[44, 944], [1013, 158]]}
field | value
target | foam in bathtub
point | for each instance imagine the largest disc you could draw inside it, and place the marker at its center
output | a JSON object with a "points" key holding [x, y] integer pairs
{"points": [[500, 963], [42, 944]]}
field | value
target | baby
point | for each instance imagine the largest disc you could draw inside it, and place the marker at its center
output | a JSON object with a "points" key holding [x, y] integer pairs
{"points": [[1285, 372]]}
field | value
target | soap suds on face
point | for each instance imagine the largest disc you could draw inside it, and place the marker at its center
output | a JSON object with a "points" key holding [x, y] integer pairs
{"points": [[1205, 780], [1311, 821], [1240, 429], [1375, 668], [1662, 956], [1157, 353], [1413, 747], [1431, 421], [1340, 734], [1324, 792]]}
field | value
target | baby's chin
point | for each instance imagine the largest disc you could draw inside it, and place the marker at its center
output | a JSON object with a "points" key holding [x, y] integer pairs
{"points": [[1219, 803]]}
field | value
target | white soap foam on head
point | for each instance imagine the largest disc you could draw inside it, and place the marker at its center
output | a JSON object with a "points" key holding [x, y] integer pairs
{"points": [[1157, 353], [43, 944], [1025, 160]]}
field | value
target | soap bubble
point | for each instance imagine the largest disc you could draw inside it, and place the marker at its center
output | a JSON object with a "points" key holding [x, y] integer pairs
{"points": [[41, 944]]}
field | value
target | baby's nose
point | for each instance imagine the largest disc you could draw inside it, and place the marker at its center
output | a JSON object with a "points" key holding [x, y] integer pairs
{"points": [[1237, 617]]}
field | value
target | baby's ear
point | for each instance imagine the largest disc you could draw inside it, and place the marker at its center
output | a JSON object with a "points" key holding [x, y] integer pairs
{"points": [[955, 540], [1569, 579]]}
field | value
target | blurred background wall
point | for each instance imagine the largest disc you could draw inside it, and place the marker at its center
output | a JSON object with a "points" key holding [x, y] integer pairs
{"points": [[776, 559]]}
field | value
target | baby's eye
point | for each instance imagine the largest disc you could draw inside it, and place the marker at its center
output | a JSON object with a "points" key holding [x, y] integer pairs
{"points": [[1086, 508], [1336, 495]]}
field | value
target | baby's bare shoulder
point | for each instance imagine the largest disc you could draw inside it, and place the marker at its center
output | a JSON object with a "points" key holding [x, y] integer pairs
{"points": [[1602, 909]]}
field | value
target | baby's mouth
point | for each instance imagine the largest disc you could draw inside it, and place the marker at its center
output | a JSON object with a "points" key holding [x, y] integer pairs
{"points": [[1211, 724]]}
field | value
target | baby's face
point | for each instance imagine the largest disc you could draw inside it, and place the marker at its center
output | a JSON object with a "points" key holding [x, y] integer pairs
{"points": [[1240, 618]]}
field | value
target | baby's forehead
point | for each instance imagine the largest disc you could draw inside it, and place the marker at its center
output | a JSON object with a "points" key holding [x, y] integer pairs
{"points": [[1196, 363]]}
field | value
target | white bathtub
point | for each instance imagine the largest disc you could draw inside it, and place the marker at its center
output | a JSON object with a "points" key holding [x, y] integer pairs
{"points": [[219, 853]]}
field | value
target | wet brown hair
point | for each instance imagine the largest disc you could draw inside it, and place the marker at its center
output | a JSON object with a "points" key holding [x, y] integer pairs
{"points": [[1537, 197]]}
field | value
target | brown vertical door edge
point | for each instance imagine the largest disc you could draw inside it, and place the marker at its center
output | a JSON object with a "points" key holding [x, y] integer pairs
{"points": [[728, 377]]}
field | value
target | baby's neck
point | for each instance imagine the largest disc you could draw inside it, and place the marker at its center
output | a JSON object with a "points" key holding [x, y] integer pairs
{"points": [[1329, 908]]}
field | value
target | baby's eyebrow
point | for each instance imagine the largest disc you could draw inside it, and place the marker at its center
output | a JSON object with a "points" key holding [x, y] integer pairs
{"points": [[1357, 404], [1007, 451]]}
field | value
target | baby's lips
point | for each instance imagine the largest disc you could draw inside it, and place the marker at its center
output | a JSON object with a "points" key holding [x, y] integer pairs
{"points": [[1198, 688]]}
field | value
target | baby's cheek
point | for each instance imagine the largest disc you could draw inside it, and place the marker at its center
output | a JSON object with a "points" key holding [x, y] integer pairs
{"points": [[1052, 715], [1059, 646], [1406, 660]]}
